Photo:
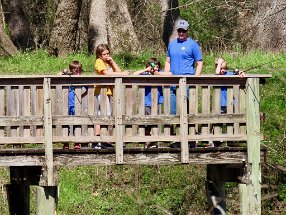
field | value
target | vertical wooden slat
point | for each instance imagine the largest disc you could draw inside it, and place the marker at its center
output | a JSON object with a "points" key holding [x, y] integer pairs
{"points": [[2, 109], [91, 109], [193, 107], [236, 107], [119, 94], [183, 121], [242, 107], [253, 147], [103, 109], [154, 107], [34, 100], [216, 109], [130, 100], [205, 107], [59, 107], [84, 112], [141, 108], [78, 101], [230, 108], [27, 109], [65, 130], [48, 131], [40, 108], [167, 128], [21, 108]]}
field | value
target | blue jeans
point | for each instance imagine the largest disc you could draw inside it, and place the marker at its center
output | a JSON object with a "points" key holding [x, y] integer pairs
{"points": [[173, 98]]}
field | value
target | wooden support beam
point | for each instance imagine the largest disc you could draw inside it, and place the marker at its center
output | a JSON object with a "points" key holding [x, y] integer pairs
{"points": [[184, 121], [251, 192], [48, 132], [47, 199], [119, 96], [18, 198]]}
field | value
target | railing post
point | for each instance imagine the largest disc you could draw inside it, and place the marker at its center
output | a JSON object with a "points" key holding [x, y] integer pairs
{"points": [[119, 96], [184, 121], [48, 132], [252, 190]]}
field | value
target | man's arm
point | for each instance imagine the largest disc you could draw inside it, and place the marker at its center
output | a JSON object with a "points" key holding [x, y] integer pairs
{"points": [[199, 67], [167, 65]]}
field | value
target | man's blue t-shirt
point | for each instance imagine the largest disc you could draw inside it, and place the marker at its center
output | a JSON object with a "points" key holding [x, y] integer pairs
{"points": [[183, 55], [148, 93], [223, 94]]}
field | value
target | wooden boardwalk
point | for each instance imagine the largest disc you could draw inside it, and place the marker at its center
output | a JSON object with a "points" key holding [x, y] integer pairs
{"points": [[34, 125]]}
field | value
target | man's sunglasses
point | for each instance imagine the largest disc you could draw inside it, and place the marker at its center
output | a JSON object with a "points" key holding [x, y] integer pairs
{"points": [[181, 30]]}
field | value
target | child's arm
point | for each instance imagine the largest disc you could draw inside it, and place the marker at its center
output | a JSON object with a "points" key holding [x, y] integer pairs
{"points": [[141, 71], [218, 67], [114, 65], [162, 73]]}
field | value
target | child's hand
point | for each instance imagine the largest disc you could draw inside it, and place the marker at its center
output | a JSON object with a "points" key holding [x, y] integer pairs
{"points": [[241, 74]]}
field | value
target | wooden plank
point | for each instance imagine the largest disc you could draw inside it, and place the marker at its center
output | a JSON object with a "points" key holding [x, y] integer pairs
{"points": [[78, 110], [47, 198], [2, 109], [154, 108], [119, 94], [34, 100], [40, 108], [236, 96], [205, 107], [193, 107], [141, 109], [91, 109], [48, 131], [65, 129], [217, 128], [166, 93], [27, 109], [183, 121], [253, 147], [230, 108], [58, 107], [130, 102]]}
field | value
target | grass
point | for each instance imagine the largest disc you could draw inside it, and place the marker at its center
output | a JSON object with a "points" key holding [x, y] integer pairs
{"points": [[155, 189]]}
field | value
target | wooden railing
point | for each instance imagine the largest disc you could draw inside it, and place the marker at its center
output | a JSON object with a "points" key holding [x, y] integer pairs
{"points": [[34, 110]]}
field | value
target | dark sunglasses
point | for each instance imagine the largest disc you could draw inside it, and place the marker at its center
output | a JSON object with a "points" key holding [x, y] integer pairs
{"points": [[181, 30]]}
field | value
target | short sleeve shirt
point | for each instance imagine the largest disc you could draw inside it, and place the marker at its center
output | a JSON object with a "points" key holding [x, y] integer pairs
{"points": [[183, 55], [100, 66]]}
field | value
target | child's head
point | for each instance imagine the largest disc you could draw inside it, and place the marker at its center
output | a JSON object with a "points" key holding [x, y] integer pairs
{"points": [[102, 52], [154, 63], [75, 67], [223, 65]]}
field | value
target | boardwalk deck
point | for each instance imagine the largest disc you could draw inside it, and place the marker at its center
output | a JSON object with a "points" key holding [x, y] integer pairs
{"points": [[34, 124]]}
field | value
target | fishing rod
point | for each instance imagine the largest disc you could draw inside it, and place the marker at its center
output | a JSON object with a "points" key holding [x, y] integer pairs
{"points": [[236, 70]]}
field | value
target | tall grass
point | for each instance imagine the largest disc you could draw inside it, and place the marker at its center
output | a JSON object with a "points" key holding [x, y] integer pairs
{"points": [[155, 189]]}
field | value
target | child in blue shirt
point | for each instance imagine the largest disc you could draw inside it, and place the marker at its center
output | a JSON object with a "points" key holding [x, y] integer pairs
{"points": [[75, 68], [153, 67], [221, 69]]}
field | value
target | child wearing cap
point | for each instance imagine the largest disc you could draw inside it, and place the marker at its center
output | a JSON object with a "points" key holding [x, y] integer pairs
{"points": [[152, 67]]}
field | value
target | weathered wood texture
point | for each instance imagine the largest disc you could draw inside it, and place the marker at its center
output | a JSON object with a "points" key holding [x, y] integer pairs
{"points": [[34, 112]]}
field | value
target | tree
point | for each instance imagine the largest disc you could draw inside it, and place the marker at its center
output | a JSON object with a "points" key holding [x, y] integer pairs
{"points": [[18, 24], [97, 33], [268, 26], [65, 28]]}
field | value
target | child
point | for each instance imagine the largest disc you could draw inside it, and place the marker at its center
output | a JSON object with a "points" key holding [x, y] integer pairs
{"points": [[153, 67], [105, 65], [75, 68], [221, 69]]}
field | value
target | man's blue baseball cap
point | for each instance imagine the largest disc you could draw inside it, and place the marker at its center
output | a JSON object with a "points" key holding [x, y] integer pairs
{"points": [[183, 24]]}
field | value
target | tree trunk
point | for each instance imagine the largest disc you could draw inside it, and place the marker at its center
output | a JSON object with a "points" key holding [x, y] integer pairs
{"points": [[170, 14], [97, 33], [121, 33], [17, 21], [6, 45], [268, 30], [65, 28]]}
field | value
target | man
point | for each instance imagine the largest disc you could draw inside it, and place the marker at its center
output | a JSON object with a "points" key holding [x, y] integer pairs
{"points": [[182, 55]]}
